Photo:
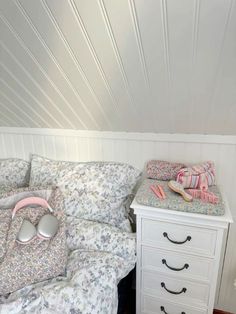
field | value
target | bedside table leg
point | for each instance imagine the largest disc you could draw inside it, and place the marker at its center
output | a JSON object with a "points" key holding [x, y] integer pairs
{"points": [[138, 272]]}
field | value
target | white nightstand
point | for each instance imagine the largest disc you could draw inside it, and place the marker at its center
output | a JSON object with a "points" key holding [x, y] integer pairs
{"points": [[178, 259]]}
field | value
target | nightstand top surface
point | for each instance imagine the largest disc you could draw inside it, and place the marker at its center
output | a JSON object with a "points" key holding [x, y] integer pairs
{"points": [[174, 204]]}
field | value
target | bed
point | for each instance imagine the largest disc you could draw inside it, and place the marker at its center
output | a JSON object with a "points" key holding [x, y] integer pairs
{"points": [[101, 244]]}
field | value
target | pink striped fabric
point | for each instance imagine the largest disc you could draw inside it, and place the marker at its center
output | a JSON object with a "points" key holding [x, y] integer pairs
{"points": [[198, 176]]}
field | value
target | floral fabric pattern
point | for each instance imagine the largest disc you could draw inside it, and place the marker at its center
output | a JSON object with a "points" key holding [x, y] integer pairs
{"points": [[101, 255], [5, 219], [10, 196], [14, 172], [174, 201], [102, 250], [95, 191], [39, 260], [97, 236], [163, 170]]}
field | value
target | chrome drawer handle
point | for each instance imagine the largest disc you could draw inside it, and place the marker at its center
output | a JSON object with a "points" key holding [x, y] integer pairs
{"points": [[165, 234], [173, 292], [163, 310], [173, 268]]}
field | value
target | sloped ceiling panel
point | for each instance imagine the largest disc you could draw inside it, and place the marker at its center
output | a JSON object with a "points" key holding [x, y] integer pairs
{"points": [[164, 66]]}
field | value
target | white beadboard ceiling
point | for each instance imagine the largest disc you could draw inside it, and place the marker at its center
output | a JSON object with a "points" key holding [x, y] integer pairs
{"points": [[166, 66]]}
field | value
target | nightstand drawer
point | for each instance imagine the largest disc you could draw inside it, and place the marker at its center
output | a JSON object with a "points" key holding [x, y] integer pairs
{"points": [[174, 290], [178, 264], [178, 237], [150, 305]]}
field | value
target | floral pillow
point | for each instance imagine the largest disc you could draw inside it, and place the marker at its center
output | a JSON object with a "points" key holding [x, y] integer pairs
{"points": [[8, 198], [92, 190], [5, 218], [14, 172]]}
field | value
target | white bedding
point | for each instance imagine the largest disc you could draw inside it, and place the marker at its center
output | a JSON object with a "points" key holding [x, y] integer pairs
{"points": [[101, 255]]}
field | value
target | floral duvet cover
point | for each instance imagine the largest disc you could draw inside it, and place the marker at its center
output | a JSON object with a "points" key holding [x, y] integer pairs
{"points": [[100, 256]]}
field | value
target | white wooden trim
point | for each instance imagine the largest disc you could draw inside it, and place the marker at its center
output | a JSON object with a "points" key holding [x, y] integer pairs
{"points": [[129, 136]]}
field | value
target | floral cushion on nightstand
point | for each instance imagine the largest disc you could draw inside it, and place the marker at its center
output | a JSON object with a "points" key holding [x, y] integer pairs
{"points": [[174, 201]]}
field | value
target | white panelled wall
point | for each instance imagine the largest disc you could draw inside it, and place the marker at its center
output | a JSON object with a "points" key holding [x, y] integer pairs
{"points": [[94, 64], [136, 149]]}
